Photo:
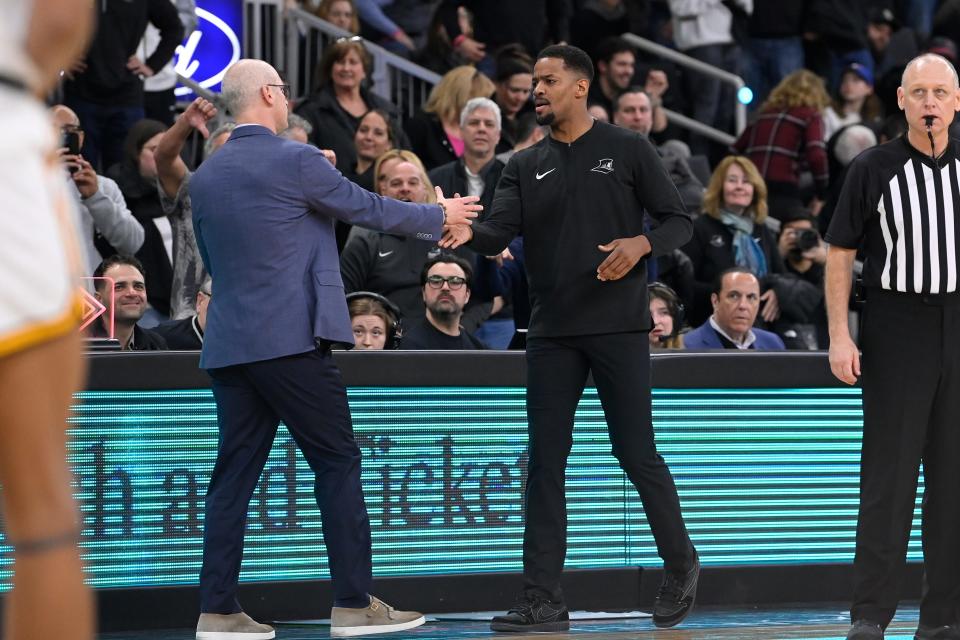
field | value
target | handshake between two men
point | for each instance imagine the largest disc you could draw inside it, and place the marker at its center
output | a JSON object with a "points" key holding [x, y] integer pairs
{"points": [[458, 215]]}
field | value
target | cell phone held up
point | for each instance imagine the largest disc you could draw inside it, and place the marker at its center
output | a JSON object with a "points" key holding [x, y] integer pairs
{"points": [[71, 140]]}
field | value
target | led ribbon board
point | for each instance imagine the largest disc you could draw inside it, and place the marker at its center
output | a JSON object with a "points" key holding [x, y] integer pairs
{"points": [[766, 476]]}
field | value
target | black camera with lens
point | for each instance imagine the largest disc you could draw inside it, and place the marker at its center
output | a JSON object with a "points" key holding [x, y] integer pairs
{"points": [[804, 240]]}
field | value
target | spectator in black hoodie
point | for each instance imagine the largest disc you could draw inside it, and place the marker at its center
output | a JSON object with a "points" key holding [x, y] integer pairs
{"points": [[105, 89], [500, 22], [839, 30], [597, 20], [775, 45], [136, 176]]}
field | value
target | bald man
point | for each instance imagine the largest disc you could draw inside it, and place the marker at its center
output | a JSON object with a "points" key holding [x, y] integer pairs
{"points": [[100, 205], [264, 209], [900, 202]]}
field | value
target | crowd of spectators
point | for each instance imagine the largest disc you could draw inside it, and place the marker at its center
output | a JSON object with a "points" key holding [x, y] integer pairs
{"points": [[823, 74]]}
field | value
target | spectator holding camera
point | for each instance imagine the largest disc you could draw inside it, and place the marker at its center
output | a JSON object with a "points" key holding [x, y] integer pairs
{"points": [[804, 252], [804, 258], [104, 219]]}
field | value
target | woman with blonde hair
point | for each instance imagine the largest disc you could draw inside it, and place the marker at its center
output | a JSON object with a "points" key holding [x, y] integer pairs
{"points": [[435, 133], [787, 137], [731, 232]]}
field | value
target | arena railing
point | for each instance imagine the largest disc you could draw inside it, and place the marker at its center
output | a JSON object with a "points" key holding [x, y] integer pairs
{"points": [[685, 61], [293, 41]]}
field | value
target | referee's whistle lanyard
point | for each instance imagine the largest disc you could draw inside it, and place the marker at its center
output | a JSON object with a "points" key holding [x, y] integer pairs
{"points": [[933, 152]]}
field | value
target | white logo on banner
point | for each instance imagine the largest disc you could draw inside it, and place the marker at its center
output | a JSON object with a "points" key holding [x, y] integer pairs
{"points": [[187, 65]]}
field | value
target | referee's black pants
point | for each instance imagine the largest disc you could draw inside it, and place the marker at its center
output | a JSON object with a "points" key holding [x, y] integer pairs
{"points": [[557, 371], [911, 413]]}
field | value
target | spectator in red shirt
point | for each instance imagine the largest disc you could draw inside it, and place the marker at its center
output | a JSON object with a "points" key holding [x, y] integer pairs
{"points": [[787, 137]]}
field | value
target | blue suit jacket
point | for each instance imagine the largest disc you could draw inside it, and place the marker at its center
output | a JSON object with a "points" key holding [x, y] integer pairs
{"points": [[706, 337], [263, 211]]}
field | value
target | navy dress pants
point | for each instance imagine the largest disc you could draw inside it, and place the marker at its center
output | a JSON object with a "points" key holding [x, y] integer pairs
{"points": [[306, 392]]}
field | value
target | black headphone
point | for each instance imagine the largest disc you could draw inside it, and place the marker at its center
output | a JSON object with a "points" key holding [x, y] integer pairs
{"points": [[674, 306], [394, 326]]}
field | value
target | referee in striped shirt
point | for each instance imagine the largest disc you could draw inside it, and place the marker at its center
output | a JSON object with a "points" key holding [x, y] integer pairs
{"points": [[901, 202]]}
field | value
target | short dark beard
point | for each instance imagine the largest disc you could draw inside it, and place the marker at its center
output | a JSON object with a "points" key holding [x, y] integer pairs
{"points": [[546, 120], [444, 314]]}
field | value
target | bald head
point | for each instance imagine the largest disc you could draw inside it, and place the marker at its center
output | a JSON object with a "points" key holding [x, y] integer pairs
{"points": [[929, 92], [243, 81], [64, 116], [928, 64]]}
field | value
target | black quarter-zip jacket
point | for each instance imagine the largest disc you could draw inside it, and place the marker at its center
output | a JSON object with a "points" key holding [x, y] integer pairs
{"points": [[565, 199]]}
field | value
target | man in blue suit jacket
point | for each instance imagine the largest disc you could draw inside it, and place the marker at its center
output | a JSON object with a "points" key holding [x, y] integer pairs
{"points": [[263, 210], [736, 300]]}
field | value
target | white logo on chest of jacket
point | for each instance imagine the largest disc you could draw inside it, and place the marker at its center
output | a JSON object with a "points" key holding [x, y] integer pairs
{"points": [[604, 165], [541, 176], [384, 254]]}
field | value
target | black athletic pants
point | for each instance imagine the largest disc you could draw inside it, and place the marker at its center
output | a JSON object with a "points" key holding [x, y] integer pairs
{"points": [[911, 413], [557, 370]]}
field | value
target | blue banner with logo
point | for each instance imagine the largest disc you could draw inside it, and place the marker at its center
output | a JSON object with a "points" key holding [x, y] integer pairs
{"points": [[206, 53]]}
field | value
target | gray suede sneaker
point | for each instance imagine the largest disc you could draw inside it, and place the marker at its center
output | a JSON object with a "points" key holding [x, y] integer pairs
{"points": [[233, 626], [379, 617]]}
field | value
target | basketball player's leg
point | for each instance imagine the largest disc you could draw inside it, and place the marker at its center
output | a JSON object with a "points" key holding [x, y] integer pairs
{"points": [[49, 598]]}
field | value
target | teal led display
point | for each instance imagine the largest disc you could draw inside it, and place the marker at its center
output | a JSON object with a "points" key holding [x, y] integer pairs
{"points": [[766, 476]]}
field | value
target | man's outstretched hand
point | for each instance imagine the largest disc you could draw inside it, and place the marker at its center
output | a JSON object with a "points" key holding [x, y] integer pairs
{"points": [[454, 237], [198, 114], [460, 211]]}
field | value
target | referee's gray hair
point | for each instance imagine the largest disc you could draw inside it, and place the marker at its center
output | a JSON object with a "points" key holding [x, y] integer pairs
{"points": [[930, 57], [480, 103]]}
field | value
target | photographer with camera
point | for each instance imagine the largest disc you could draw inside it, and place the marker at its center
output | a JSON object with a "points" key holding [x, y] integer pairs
{"points": [[106, 224], [804, 322]]}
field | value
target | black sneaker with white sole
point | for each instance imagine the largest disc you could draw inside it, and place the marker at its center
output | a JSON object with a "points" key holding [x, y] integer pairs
{"points": [[532, 612], [676, 595]]}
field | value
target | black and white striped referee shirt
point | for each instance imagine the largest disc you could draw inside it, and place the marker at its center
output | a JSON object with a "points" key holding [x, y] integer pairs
{"points": [[903, 209]]}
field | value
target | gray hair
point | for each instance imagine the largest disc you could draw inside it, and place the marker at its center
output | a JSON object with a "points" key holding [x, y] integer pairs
{"points": [[480, 103], [929, 57], [852, 141], [208, 145], [297, 122], [242, 83]]}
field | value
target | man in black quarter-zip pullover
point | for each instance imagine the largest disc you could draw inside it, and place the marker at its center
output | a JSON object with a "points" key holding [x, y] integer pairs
{"points": [[578, 198]]}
